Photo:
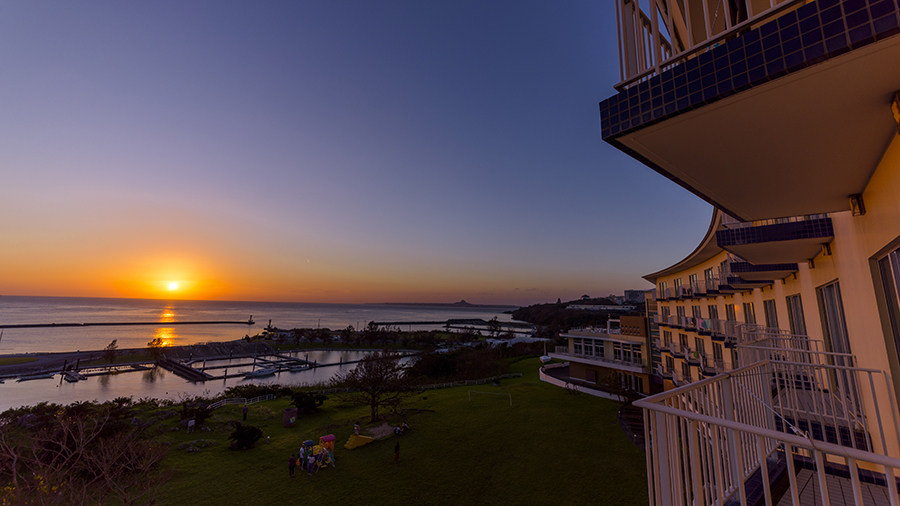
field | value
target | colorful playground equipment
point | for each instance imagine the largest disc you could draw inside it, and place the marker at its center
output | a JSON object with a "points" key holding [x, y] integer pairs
{"points": [[323, 452]]}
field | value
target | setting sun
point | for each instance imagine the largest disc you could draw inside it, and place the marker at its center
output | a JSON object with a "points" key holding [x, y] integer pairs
{"points": [[173, 286]]}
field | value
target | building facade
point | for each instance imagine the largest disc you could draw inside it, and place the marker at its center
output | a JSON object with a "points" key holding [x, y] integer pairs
{"points": [[614, 358], [779, 336]]}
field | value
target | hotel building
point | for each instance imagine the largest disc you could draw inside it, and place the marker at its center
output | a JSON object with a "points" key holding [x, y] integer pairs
{"points": [[779, 336], [616, 356]]}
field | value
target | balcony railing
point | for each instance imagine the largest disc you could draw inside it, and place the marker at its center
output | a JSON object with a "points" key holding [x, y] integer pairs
{"points": [[674, 31], [706, 439], [564, 352]]}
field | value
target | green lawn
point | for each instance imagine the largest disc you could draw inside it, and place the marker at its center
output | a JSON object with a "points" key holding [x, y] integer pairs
{"points": [[549, 447]]}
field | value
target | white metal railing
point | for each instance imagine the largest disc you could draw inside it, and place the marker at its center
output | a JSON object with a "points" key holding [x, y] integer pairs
{"points": [[677, 30], [705, 439], [564, 351], [241, 400]]}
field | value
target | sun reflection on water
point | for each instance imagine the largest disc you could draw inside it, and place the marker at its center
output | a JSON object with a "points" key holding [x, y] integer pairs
{"points": [[168, 314], [166, 336]]}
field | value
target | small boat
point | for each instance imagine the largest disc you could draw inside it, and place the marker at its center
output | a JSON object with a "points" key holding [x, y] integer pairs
{"points": [[35, 377], [546, 358], [298, 368], [260, 373]]}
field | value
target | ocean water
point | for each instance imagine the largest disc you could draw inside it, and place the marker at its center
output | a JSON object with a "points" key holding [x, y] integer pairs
{"points": [[42, 310], [159, 383]]}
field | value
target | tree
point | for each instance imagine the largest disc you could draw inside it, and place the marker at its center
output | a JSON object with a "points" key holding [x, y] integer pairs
{"points": [[494, 327], [244, 436], [307, 402], [347, 334], [155, 347], [379, 380], [109, 353]]}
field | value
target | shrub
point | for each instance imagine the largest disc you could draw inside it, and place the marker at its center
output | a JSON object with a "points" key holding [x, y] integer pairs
{"points": [[244, 436], [307, 402]]}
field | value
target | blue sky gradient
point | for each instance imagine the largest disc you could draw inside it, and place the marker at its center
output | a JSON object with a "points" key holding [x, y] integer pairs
{"points": [[323, 152]]}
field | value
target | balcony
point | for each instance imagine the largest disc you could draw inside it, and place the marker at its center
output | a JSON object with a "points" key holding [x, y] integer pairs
{"points": [[772, 248], [702, 90], [734, 437], [692, 357], [634, 366]]}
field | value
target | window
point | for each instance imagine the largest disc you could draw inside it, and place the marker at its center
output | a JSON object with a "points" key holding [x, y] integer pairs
{"points": [[729, 313], [749, 313], [710, 278], [667, 338], [795, 315], [617, 351], [695, 310], [578, 347], [683, 340], [680, 311], [701, 345], [670, 365], [663, 289], [771, 314], [589, 347], [598, 349], [713, 312], [677, 283], [686, 371], [693, 284], [833, 324], [889, 267], [718, 356]]}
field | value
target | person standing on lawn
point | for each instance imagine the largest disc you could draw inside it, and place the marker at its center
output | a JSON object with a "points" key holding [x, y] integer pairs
{"points": [[292, 463]]}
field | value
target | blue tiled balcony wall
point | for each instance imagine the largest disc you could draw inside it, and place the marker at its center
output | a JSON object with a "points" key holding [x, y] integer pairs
{"points": [[742, 267], [811, 34], [809, 229]]}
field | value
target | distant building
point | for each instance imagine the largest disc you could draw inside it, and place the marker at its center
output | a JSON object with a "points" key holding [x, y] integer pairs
{"points": [[620, 351], [634, 296]]}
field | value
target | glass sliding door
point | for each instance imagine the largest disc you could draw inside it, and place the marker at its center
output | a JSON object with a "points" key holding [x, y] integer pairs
{"points": [[795, 315], [889, 266]]}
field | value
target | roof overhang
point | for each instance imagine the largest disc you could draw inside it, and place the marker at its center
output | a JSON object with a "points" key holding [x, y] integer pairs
{"points": [[707, 249], [797, 145]]}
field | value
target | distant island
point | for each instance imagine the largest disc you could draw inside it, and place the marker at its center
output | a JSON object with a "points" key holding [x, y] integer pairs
{"points": [[461, 303]]}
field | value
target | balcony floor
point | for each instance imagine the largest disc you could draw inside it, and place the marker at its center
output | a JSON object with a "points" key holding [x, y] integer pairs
{"points": [[840, 491]]}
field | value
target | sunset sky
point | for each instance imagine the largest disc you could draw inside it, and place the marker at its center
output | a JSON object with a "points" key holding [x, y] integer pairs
{"points": [[322, 151]]}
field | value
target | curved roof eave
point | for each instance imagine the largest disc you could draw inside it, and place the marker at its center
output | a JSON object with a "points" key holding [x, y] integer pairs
{"points": [[707, 249]]}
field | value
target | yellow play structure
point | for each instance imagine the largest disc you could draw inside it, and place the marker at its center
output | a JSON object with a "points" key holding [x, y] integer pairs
{"points": [[356, 440]]}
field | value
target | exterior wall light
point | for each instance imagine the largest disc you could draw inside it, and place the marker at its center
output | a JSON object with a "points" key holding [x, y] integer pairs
{"points": [[857, 205], [895, 110]]}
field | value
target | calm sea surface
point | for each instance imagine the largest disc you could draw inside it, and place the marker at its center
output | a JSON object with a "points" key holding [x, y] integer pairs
{"points": [[22, 310], [160, 383]]}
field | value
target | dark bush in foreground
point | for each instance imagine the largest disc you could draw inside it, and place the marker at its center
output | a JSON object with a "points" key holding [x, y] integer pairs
{"points": [[307, 402], [244, 436]]}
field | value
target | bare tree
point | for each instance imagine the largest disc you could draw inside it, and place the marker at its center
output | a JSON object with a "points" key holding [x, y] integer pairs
{"points": [[379, 380]]}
